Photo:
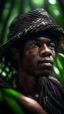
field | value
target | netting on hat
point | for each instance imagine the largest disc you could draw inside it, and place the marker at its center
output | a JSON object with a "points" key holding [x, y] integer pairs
{"points": [[33, 21]]}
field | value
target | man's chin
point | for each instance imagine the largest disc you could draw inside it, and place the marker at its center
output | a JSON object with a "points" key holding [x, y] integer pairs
{"points": [[45, 73]]}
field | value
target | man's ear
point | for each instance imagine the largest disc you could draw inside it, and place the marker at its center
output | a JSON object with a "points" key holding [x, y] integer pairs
{"points": [[15, 53]]}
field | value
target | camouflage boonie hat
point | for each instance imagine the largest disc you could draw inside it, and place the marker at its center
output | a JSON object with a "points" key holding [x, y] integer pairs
{"points": [[33, 22]]}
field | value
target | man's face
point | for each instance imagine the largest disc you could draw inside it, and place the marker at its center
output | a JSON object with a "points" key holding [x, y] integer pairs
{"points": [[38, 56]]}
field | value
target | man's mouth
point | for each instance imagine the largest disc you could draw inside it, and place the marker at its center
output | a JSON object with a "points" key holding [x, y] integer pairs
{"points": [[45, 62]]}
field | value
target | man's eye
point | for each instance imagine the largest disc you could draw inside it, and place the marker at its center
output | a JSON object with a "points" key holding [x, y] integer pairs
{"points": [[35, 45], [51, 46]]}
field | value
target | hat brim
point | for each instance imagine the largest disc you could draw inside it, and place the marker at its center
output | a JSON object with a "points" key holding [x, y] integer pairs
{"points": [[32, 29]]}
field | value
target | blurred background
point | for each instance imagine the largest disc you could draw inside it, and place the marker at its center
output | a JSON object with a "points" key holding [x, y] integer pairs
{"points": [[9, 9]]}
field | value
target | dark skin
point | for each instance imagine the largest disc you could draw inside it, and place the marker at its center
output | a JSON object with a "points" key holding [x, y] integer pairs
{"points": [[37, 60], [40, 54]]}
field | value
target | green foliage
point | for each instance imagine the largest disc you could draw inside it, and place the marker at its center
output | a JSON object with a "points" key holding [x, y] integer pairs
{"points": [[58, 68], [57, 11], [9, 10], [11, 98]]}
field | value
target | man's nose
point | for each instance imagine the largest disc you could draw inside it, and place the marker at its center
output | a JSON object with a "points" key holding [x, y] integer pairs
{"points": [[44, 51]]}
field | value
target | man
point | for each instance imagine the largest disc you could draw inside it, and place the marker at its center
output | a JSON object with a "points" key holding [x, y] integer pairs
{"points": [[31, 49]]}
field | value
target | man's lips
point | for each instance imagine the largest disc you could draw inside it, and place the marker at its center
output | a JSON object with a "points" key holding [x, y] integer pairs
{"points": [[45, 65], [45, 62]]}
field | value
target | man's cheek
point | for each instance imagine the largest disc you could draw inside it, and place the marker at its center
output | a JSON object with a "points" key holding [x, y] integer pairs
{"points": [[54, 54]]}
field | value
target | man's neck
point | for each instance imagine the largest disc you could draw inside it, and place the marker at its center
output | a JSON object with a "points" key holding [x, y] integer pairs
{"points": [[28, 83]]}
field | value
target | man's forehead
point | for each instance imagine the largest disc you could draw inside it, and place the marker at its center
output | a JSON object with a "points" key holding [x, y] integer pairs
{"points": [[47, 34], [42, 39]]}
